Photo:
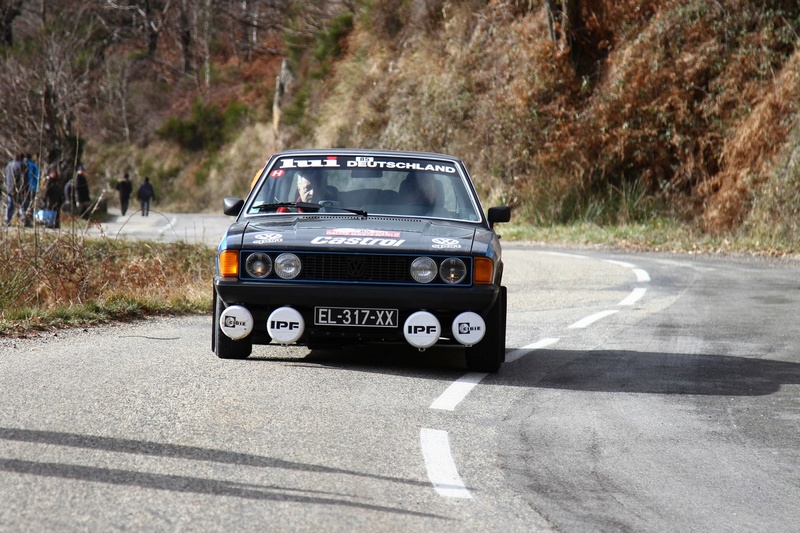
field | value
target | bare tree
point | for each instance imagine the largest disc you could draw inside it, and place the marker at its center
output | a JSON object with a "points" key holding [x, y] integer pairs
{"points": [[9, 11], [134, 19]]}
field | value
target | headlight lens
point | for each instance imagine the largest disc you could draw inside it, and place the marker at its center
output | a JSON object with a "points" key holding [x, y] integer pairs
{"points": [[423, 269], [288, 266], [453, 270], [258, 265]]}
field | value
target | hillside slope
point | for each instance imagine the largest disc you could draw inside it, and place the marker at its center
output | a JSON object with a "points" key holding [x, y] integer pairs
{"points": [[625, 111], [679, 107]]}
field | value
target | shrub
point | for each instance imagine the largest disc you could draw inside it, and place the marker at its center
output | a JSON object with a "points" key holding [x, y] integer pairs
{"points": [[208, 128]]}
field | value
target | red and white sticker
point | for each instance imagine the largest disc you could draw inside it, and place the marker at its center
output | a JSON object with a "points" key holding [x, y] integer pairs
{"points": [[353, 232], [278, 172]]}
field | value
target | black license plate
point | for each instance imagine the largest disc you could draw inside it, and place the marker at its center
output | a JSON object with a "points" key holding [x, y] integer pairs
{"points": [[353, 316]]}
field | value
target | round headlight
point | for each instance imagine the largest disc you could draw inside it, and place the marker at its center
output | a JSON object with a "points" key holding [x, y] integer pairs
{"points": [[287, 266], [423, 269], [453, 270], [258, 265]]}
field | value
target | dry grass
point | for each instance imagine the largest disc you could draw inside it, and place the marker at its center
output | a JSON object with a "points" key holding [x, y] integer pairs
{"points": [[57, 279]]}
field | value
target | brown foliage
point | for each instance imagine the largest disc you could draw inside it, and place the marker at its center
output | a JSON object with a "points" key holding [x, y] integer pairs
{"points": [[749, 155], [684, 101]]}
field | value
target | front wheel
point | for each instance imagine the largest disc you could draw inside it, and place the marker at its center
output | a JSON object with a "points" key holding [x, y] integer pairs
{"points": [[489, 354], [224, 346]]}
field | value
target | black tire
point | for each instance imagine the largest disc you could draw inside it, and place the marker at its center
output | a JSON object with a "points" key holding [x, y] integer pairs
{"points": [[223, 346], [490, 353]]}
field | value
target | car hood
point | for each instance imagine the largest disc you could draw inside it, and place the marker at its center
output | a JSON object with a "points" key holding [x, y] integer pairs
{"points": [[337, 233]]}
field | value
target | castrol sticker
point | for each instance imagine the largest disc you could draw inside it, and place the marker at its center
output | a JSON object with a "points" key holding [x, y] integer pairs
{"points": [[285, 325], [236, 322], [422, 330], [357, 241], [469, 328]]}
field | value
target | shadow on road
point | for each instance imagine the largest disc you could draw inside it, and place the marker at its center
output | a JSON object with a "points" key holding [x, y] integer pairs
{"points": [[602, 371], [651, 373], [177, 483]]}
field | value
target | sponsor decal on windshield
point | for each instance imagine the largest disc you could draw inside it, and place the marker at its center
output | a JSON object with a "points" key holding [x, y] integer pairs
{"points": [[290, 162], [359, 241], [368, 162], [278, 173], [364, 162], [353, 232]]}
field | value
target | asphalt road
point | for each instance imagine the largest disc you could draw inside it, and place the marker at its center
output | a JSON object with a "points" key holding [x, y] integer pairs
{"points": [[642, 393], [161, 226]]}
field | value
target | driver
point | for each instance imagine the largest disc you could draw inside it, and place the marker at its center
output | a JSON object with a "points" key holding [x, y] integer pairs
{"points": [[310, 188], [310, 185]]}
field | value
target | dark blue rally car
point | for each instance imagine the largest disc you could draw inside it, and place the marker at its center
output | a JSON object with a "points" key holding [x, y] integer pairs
{"points": [[339, 247]]}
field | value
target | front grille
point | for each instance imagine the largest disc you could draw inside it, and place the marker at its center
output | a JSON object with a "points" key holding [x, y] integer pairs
{"points": [[363, 268], [354, 268]]}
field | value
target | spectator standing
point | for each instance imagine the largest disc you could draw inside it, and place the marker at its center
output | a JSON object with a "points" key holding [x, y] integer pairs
{"points": [[33, 187], [76, 191], [16, 188], [53, 196], [146, 194], [125, 188]]}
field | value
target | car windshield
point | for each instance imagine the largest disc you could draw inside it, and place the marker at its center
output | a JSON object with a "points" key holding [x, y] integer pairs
{"points": [[369, 185]]}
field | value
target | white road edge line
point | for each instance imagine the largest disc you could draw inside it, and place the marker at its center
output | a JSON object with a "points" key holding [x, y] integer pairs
{"points": [[634, 296], [592, 319], [525, 350], [457, 391], [442, 471]]}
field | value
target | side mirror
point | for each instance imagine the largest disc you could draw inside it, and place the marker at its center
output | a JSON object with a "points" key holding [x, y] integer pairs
{"points": [[232, 205], [499, 214]]}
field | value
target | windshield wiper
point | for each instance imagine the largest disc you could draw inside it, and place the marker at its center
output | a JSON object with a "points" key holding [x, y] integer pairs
{"points": [[353, 210]]}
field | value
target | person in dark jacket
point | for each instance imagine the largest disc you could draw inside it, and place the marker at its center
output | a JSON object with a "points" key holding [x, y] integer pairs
{"points": [[77, 194], [146, 194], [125, 188], [53, 196]]}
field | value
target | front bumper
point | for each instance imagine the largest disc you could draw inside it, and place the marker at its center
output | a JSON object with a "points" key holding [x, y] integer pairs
{"points": [[260, 299]]}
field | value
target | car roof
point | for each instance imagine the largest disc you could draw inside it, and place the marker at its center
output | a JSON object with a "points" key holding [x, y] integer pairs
{"points": [[364, 151]]}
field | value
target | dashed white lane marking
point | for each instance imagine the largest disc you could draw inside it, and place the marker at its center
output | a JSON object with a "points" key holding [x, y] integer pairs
{"points": [[525, 350], [634, 296], [442, 471], [562, 254], [620, 263], [584, 322], [641, 275], [458, 390]]}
